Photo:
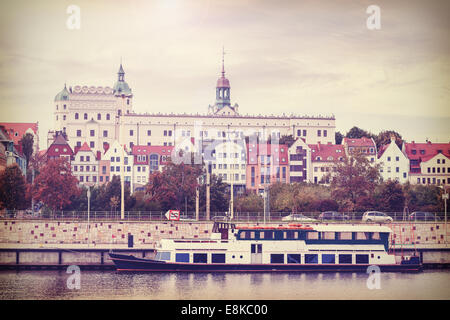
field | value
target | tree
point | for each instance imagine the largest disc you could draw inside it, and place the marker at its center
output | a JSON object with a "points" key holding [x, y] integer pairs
{"points": [[173, 186], [287, 140], [390, 196], [338, 137], [27, 142], [219, 195], [356, 177], [357, 133], [12, 188], [55, 185], [109, 196], [251, 202], [384, 137]]}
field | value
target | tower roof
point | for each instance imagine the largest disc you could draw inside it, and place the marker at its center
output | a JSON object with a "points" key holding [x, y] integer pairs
{"points": [[121, 87], [223, 82], [62, 95]]}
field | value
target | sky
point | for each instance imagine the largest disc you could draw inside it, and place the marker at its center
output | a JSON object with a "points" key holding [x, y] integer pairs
{"points": [[302, 57]]}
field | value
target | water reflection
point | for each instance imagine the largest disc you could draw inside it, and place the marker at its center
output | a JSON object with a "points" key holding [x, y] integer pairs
{"points": [[113, 285]]}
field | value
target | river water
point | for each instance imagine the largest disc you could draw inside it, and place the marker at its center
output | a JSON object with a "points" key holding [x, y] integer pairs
{"points": [[430, 284]]}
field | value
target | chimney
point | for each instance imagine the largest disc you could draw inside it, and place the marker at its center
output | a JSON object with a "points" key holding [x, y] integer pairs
{"points": [[318, 146]]}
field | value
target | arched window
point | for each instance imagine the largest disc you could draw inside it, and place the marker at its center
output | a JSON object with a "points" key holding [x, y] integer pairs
{"points": [[99, 116], [85, 116], [107, 116], [76, 116]]}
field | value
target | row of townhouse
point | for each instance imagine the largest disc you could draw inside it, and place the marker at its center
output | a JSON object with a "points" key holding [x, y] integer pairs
{"points": [[254, 166]]}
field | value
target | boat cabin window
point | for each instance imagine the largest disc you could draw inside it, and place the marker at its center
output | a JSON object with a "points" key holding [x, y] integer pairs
{"points": [[247, 235], [200, 258], [293, 258], [313, 235], [328, 258], [376, 236], [163, 255], [345, 258], [277, 258], [362, 236], [362, 258], [344, 235], [218, 258], [268, 235], [182, 257], [311, 258], [328, 235]]}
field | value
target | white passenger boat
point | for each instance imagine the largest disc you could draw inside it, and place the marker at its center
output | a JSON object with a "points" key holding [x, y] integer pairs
{"points": [[283, 248]]}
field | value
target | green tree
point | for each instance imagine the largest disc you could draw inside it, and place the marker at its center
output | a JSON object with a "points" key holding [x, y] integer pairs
{"points": [[219, 195], [251, 202], [12, 188], [357, 133], [390, 196], [338, 137], [384, 137]]}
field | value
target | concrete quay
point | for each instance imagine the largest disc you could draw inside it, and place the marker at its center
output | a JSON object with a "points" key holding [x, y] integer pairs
{"points": [[40, 244]]}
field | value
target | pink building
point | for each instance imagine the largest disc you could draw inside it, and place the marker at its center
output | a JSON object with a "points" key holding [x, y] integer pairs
{"points": [[266, 164]]}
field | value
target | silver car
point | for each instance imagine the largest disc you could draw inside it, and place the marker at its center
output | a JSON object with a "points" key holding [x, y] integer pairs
{"points": [[298, 217], [376, 216]]}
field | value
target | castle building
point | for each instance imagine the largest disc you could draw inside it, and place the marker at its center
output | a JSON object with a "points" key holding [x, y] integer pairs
{"points": [[101, 115]]}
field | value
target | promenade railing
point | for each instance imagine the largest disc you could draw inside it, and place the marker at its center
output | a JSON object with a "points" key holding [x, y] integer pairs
{"points": [[190, 216]]}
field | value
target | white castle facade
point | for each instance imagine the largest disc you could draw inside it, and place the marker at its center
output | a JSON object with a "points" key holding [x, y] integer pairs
{"points": [[99, 115]]}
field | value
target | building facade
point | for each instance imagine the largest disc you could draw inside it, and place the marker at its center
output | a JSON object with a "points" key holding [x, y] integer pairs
{"points": [[394, 163], [98, 115], [429, 162]]}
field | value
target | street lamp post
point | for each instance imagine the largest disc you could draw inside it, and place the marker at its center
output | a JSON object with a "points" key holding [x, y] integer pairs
{"points": [[89, 213], [445, 198]]}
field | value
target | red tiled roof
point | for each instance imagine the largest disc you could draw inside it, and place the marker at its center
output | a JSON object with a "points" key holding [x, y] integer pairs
{"points": [[84, 147], [359, 142], [20, 128], [426, 151], [326, 152]]}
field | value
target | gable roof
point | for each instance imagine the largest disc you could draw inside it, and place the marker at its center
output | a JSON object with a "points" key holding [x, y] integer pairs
{"points": [[326, 152], [426, 151], [16, 130], [359, 142]]}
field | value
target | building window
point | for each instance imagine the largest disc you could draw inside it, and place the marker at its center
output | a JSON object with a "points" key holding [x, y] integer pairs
{"points": [[324, 133], [108, 116], [85, 116], [76, 116], [319, 133], [92, 133], [78, 133], [99, 116], [165, 133], [131, 132], [149, 132], [105, 133], [92, 144], [304, 133]]}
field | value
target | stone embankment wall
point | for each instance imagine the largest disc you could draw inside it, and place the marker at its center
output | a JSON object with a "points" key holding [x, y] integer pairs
{"points": [[149, 233]]}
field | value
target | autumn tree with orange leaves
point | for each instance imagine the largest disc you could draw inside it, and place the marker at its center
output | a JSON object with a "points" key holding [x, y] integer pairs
{"points": [[55, 185]]}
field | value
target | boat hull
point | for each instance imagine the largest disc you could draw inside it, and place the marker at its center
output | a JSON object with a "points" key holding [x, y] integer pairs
{"points": [[131, 263]]}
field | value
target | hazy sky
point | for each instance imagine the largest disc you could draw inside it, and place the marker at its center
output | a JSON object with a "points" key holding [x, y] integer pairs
{"points": [[303, 57]]}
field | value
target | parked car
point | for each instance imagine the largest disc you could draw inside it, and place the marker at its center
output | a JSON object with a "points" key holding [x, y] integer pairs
{"points": [[376, 216], [333, 215], [423, 216], [298, 217]]}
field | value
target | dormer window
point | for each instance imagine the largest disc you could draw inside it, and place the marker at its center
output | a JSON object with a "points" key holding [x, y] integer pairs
{"points": [[422, 152], [414, 151]]}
